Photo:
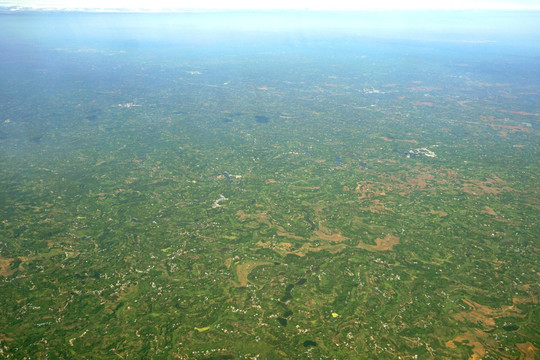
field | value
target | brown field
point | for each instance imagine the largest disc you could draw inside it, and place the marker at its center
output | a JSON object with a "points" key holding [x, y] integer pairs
{"points": [[282, 232], [260, 217], [471, 339], [493, 185], [307, 248], [504, 129], [512, 127], [528, 300], [438, 212], [327, 234], [243, 270], [378, 207], [481, 314], [422, 177], [518, 112], [385, 244], [528, 350], [480, 341], [295, 187], [420, 180], [5, 338], [284, 248], [407, 141], [369, 189], [5, 267], [425, 103]]}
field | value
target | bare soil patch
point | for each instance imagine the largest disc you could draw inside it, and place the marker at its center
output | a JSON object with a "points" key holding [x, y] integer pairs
{"points": [[284, 248], [378, 207], [5, 267], [5, 338], [484, 314], [424, 103], [307, 248], [385, 244], [282, 232], [259, 217], [518, 112], [327, 234], [438, 212], [527, 300], [471, 339], [243, 270], [493, 185], [369, 189], [490, 211], [399, 140], [420, 180], [528, 350]]}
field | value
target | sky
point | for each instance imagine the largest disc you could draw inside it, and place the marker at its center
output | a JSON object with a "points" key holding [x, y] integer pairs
{"points": [[156, 5]]}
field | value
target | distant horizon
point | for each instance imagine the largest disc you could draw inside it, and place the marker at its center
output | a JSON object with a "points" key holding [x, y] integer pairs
{"points": [[265, 5], [18, 8]]}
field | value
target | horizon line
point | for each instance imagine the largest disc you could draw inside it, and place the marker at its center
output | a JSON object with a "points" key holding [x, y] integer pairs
{"points": [[16, 8]]}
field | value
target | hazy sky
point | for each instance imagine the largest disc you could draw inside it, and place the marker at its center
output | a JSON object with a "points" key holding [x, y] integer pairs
{"points": [[279, 4]]}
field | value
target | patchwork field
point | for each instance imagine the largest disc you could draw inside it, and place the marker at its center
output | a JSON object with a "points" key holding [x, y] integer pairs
{"points": [[337, 198]]}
